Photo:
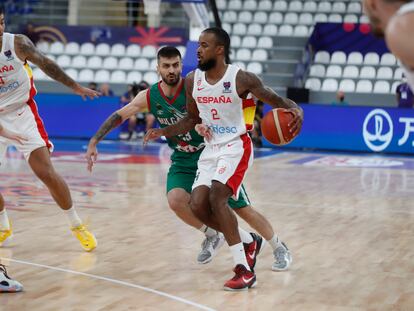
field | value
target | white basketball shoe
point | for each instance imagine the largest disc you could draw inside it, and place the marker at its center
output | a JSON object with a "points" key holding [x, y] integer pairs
{"points": [[7, 285]]}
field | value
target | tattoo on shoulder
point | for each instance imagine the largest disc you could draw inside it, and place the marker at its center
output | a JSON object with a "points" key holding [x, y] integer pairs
{"points": [[246, 82], [24, 46], [27, 51]]}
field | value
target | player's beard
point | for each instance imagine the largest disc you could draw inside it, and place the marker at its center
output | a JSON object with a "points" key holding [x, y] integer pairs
{"points": [[173, 82], [207, 65]]}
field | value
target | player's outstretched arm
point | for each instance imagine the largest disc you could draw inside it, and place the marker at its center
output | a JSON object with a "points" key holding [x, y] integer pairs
{"points": [[27, 51], [185, 124], [138, 104], [248, 82]]}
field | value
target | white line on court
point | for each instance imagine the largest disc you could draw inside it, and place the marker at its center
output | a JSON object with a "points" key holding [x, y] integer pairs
{"points": [[150, 290]]}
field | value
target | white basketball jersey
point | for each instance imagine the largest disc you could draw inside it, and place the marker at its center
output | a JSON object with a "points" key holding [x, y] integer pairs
{"points": [[220, 106], [409, 72], [16, 79]]}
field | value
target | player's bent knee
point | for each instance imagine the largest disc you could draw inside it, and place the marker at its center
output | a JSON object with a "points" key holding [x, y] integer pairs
{"points": [[197, 207], [177, 205], [218, 199], [178, 199]]}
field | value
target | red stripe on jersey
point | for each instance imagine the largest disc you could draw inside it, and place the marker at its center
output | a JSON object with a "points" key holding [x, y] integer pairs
{"points": [[148, 100], [236, 180], [177, 93], [39, 122], [29, 72]]}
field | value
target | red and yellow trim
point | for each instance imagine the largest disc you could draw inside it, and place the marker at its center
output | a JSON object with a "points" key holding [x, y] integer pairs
{"points": [[249, 111], [33, 90]]}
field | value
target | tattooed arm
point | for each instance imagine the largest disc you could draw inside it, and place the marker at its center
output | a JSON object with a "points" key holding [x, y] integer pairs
{"points": [[138, 104], [248, 82], [185, 124], [27, 51]]}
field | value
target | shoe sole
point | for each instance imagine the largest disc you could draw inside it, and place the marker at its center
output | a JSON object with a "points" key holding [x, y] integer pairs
{"points": [[11, 291], [205, 261], [279, 270], [229, 289]]}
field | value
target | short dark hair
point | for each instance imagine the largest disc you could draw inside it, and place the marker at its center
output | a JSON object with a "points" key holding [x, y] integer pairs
{"points": [[222, 38], [168, 52], [2, 9]]}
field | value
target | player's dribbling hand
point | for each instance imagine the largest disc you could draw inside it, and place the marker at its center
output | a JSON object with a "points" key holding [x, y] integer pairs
{"points": [[85, 92], [91, 156], [296, 124], [152, 134], [12, 135], [205, 131]]}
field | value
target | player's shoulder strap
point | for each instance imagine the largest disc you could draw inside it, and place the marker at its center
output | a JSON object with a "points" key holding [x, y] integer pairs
{"points": [[8, 41]]}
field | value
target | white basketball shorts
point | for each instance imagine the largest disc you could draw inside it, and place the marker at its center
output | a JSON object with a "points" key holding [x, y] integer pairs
{"points": [[226, 163], [26, 122]]}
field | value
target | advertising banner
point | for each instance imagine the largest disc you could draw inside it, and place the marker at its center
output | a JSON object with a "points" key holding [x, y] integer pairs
{"points": [[111, 35], [367, 129]]}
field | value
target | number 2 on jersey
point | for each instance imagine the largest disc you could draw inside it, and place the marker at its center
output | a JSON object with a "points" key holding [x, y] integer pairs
{"points": [[214, 113]]}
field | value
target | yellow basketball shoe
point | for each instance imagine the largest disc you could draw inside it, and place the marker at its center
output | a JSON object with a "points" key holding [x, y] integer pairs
{"points": [[85, 237], [5, 235]]}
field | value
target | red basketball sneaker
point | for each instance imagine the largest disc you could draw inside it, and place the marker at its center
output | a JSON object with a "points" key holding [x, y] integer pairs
{"points": [[253, 249], [242, 280]]}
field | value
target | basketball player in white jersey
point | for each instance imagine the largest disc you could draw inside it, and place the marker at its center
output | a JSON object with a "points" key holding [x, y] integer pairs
{"points": [[18, 113], [7, 284], [184, 162], [394, 20], [215, 94]]}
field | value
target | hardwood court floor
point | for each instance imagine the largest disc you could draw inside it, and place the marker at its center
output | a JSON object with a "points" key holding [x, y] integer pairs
{"points": [[348, 220]]}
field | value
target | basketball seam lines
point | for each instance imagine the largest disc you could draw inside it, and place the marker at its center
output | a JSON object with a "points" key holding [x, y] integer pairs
{"points": [[278, 128]]}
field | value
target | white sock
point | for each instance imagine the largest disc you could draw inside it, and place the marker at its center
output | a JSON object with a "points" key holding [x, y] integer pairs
{"points": [[4, 220], [73, 217], [275, 242], [239, 256], [207, 231], [245, 236]]}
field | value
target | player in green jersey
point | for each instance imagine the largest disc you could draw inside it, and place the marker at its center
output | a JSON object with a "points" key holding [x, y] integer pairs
{"points": [[167, 102]]}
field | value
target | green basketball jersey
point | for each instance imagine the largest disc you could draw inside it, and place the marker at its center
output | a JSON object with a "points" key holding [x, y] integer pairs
{"points": [[169, 111]]}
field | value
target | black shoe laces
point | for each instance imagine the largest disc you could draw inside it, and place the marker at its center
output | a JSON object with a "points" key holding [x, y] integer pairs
{"points": [[3, 269]]}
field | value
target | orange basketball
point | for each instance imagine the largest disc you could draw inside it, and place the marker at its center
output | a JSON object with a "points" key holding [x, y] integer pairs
{"points": [[275, 126]]}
